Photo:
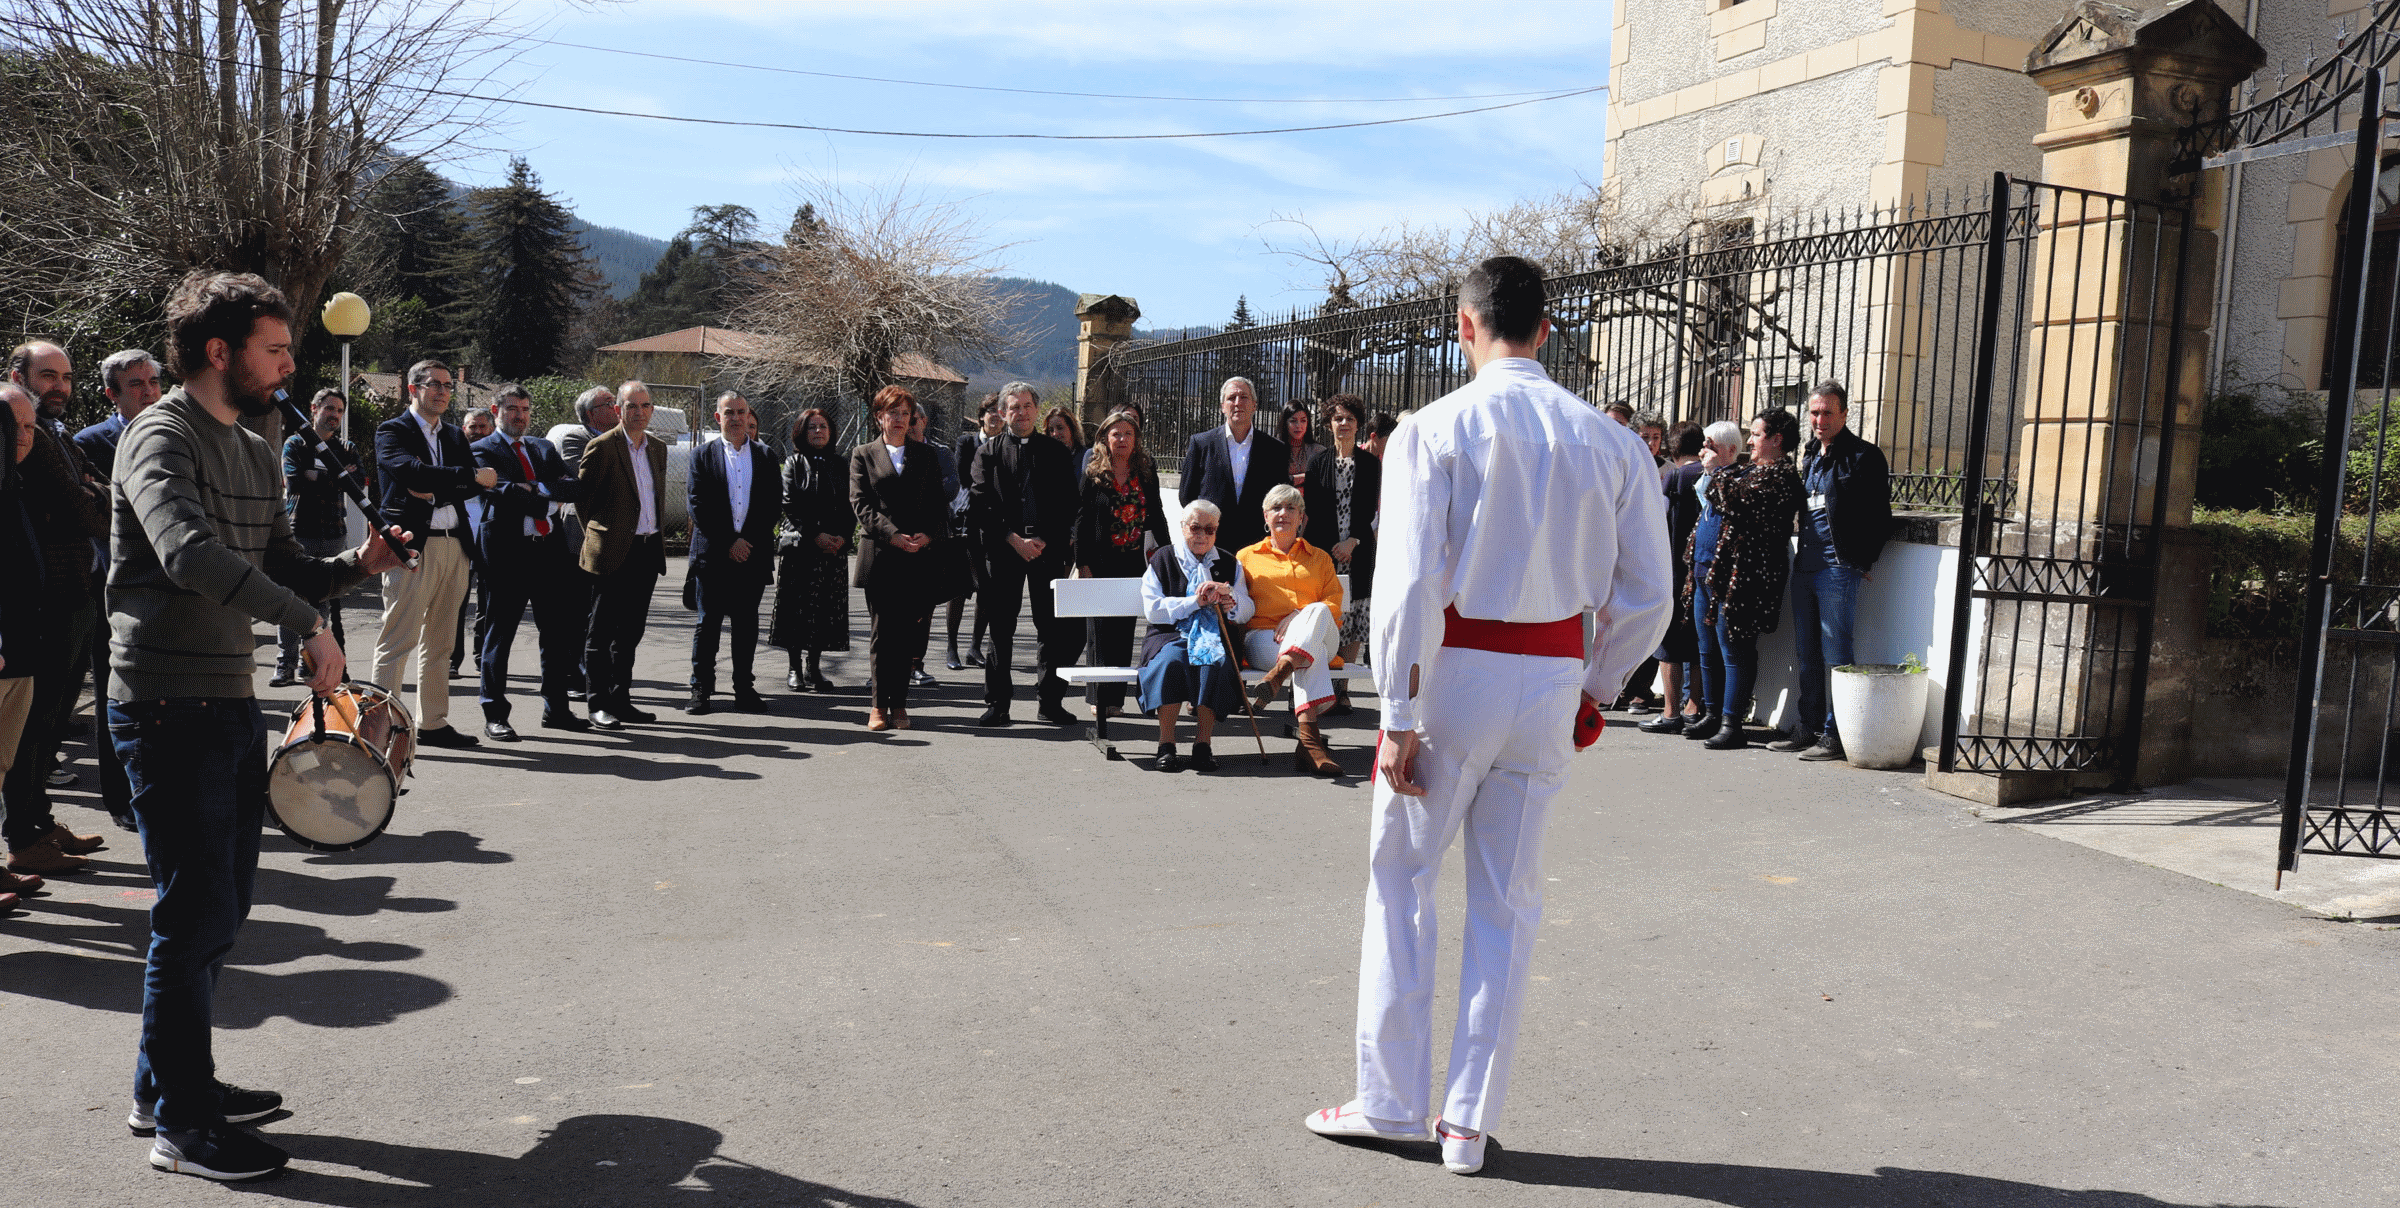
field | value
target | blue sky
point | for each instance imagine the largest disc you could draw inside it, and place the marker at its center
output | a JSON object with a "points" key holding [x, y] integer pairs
{"points": [[1176, 224]]}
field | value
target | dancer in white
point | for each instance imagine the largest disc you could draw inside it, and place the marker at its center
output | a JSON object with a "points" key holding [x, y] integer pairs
{"points": [[1510, 509]]}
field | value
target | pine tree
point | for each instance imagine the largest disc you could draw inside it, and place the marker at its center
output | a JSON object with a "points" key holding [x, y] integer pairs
{"points": [[1241, 320], [692, 284], [409, 245], [529, 276]]}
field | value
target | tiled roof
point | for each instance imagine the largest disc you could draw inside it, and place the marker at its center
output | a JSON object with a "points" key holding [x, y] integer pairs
{"points": [[717, 341]]}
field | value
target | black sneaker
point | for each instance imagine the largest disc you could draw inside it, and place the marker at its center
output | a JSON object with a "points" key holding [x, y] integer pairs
{"points": [[224, 1153], [1828, 749], [238, 1106], [997, 715], [1800, 740]]}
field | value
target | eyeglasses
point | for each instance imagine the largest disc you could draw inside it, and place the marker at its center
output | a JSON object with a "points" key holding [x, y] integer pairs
{"points": [[1201, 530]]}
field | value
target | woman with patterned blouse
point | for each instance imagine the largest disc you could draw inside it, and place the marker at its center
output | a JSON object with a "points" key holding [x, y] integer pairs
{"points": [[1344, 487], [1741, 558], [1120, 508]]}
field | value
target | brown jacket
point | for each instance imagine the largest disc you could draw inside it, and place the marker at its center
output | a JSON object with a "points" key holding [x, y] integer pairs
{"points": [[609, 507]]}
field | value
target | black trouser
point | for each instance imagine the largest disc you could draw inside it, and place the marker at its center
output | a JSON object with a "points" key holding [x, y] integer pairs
{"points": [[59, 666], [1055, 645], [620, 611], [894, 644], [723, 592], [541, 575]]}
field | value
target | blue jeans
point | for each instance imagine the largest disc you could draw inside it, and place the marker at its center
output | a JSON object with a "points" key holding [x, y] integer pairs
{"points": [[1728, 665], [198, 768], [1824, 610]]}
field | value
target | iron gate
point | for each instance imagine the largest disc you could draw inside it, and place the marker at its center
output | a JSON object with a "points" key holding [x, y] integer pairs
{"points": [[2071, 418], [2345, 723]]}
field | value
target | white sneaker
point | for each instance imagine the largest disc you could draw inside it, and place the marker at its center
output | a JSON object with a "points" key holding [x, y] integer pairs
{"points": [[1462, 1152], [1351, 1120]]}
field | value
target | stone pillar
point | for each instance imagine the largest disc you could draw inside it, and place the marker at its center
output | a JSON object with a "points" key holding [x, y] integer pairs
{"points": [[1107, 324], [2099, 316]]}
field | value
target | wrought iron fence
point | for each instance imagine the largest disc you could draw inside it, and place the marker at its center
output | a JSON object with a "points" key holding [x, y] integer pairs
{"points": [[1737, 318]]}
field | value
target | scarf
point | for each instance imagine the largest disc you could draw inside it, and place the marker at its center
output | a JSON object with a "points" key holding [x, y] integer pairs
{"points": [[1203, 641]]}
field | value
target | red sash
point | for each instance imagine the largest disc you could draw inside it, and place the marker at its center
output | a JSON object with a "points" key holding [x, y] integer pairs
{"points": [[1547, 639]]}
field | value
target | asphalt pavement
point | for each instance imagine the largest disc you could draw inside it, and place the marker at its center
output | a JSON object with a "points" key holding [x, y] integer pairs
{"points": [[777, 960]]}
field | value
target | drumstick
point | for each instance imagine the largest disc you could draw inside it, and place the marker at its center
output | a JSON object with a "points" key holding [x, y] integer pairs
{"points": [[1238, 686], [293, 417]]}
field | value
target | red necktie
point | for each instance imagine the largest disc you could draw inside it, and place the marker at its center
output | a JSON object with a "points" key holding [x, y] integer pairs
{"points": [[541, 524]]}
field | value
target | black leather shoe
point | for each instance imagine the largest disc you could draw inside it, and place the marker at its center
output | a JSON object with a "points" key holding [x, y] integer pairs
{"points": [[922, 678], [1203, 759], [281, 679], [1055, 713], [564, 721], [602, 719], [819, 683], [499, 730], [1705, 728], [447, 737], [626, 712], [1670, 724], [698, 705], [974, 658], [750, 702], [954, 664], [997, 715], [1729, 737], [1168, 760]]}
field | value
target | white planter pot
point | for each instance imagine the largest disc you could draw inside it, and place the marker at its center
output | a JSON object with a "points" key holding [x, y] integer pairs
{"points": [[1880, 709]]}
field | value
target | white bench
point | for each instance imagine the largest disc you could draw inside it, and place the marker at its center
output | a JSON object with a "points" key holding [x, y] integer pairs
{"points": [[1123, 598]]}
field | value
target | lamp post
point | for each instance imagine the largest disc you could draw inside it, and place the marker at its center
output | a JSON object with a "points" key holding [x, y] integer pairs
{"points": [[346, 317]]}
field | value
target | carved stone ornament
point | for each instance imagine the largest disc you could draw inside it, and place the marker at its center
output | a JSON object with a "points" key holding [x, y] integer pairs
{"points": [[2087, 101]]}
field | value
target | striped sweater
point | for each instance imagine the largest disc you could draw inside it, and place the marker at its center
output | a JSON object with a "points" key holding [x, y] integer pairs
{"points": [[201, 548]]}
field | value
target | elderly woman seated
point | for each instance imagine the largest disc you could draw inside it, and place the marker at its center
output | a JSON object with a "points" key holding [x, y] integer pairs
{"points": [[1190, 593], [1298, 624]]}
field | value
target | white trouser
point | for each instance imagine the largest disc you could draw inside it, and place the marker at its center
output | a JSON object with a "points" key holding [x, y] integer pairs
{"points": [[1314, 633], [420, 612], [1497, 732]]}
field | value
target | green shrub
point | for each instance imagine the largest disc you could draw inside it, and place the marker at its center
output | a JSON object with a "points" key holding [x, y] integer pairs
{"points": [[554, 401], [2258, 567], [2374, 438], [2259, 458]]}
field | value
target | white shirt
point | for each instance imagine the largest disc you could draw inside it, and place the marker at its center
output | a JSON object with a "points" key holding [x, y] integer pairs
{"points": [[445, 516], [1516, 501], [896, 451], [549, 510], [648, 524], [1237, 455], [737, 481]]}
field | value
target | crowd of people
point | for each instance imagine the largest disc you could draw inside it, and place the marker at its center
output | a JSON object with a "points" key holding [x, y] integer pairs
{"points": [[1736, 499], [1513, 507]]}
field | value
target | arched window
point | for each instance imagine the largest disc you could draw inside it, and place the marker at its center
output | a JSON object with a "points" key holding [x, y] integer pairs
{"points": [[2378, 359]]}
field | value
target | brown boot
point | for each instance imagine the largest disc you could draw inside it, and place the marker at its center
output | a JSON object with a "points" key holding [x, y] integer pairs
{"points": [[1319, 760], [74, 844], [1276, 675], [21, 886], [43, 856]]}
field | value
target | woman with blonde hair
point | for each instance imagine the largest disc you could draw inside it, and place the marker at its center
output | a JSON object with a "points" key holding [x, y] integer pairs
{"points": [[1297, 623]]}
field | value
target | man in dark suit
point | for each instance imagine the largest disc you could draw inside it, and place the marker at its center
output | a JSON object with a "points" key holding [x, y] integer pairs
{"points": [[1235, 466], [527, 560], [988, 425], [736, 494], [425, 474], [595, 413], [1022, 499], [130, 380], [623, 505]]}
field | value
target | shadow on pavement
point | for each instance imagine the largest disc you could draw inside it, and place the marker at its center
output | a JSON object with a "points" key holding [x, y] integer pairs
{"points": [[432, 847], [325, 998], [1784, 1187], [619, 1161]]}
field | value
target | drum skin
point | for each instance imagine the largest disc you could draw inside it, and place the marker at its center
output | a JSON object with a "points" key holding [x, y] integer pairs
{"points": [[334, 789]]}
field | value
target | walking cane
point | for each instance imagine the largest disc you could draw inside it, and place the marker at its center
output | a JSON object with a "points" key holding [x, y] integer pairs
{"points": [[1247, 707]]}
